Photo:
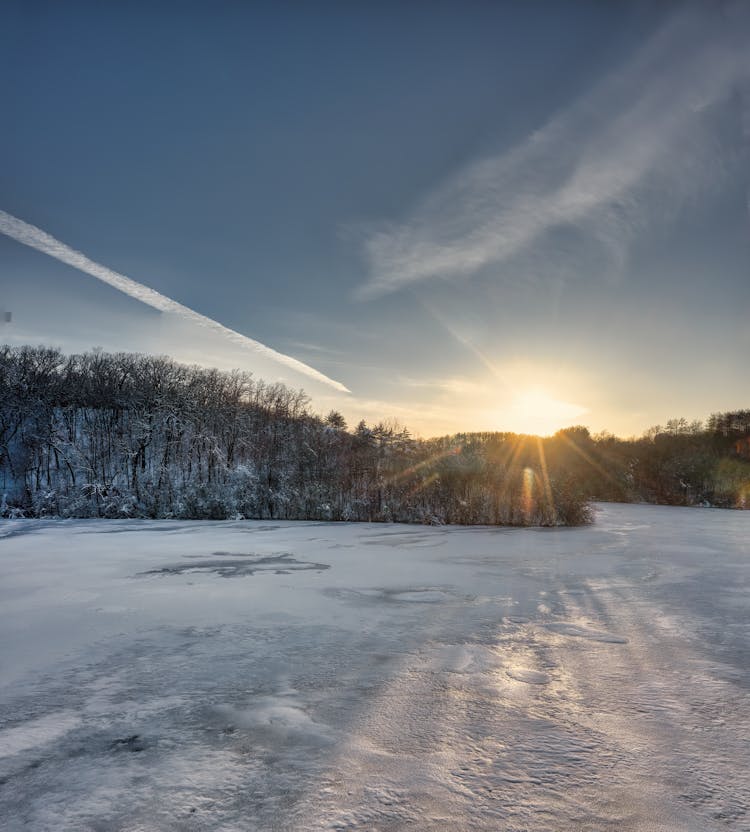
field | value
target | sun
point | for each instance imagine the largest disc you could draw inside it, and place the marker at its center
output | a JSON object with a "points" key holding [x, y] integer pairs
{"points": [[534, 410]]}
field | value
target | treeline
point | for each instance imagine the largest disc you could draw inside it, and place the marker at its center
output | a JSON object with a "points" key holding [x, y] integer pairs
{"points": [[680, 463], [100, 435]]}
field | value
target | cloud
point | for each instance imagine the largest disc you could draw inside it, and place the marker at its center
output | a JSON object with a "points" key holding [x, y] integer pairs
{"points": [[35, 238], [630, 152]]}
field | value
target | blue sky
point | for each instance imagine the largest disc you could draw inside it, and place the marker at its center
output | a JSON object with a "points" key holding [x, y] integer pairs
{"points": [[465, 213]]}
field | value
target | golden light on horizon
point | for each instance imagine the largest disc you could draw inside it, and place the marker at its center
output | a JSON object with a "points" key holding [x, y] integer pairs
{"points": [[534, 410]]}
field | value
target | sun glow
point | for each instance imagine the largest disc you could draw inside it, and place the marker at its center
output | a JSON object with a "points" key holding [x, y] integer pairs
{"points": [[533, 410]]}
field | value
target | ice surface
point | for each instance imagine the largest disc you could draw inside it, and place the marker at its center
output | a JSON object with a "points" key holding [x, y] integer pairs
{"points": [[310, 676]]}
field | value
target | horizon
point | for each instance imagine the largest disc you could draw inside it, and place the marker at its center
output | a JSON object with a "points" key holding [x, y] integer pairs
{"points": [[501, 221], [675, 424]]}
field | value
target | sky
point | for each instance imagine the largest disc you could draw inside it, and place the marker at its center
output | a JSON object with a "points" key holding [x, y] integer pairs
{"points": [[456, 215]]}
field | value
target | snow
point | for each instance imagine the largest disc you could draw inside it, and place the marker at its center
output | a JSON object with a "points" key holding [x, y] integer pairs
{"points": [[311, 676]]}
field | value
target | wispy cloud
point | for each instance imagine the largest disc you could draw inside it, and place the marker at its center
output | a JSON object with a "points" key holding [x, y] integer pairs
{"points": [[452, 386], [35, 238], [632, 150]]}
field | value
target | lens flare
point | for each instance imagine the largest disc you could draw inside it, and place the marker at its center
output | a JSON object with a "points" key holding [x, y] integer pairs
{"points": [[527, 494]]}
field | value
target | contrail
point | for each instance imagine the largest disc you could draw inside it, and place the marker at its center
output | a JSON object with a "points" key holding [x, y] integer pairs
{"points": [[30, 235]]}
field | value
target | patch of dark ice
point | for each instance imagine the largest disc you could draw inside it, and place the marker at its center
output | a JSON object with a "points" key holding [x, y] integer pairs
{"points": [[397, 595], [133, 743], [236, 566]]}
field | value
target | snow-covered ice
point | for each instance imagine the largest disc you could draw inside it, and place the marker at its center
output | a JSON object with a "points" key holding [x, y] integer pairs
{"points": [[307, 676]]}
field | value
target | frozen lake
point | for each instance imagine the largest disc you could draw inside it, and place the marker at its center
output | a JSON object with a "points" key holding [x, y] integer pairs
{"points": [[303, 676]]}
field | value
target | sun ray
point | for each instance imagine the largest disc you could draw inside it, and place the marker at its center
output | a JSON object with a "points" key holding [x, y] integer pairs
{"points": [[425, 483], [425, 463], [464, 341], [545, 478], [511, 465], [587, 458]]}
